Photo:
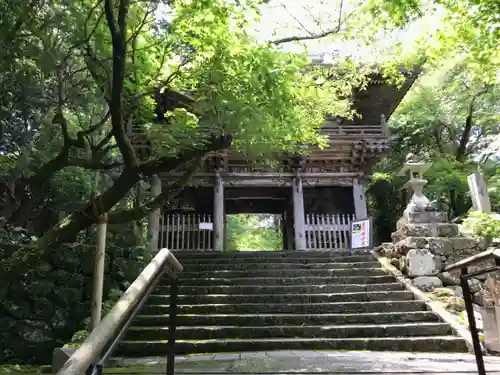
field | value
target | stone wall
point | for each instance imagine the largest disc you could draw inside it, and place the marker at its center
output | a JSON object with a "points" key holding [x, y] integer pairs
{"points": [[422, 251]]}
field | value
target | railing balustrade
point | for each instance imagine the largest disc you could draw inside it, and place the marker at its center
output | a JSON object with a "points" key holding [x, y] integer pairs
{"points": [[97, 349]]}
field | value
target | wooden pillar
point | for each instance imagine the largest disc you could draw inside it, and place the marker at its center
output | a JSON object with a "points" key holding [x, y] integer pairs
{"points": [[358, 193], [284, 221], [298, 214], [154, 217], [218, 231], [225, 234]]}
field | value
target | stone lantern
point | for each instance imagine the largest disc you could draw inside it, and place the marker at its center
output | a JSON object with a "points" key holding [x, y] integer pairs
{"points": [[419, 209], [416, 169]]}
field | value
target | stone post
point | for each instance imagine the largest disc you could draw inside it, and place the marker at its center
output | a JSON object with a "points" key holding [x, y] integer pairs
{"points": [[298, 214], [479, 193], [154, 217], [218, 227], [358, 192]]}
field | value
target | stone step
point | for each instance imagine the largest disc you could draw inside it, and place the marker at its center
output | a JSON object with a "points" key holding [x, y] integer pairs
{"points": [[294, 259], [280, 289], [291, 308], [302, 331], [183, 254], [407, 344], [284, 319], [282, 298], [284, 273], [306, 280], [275, 266]]}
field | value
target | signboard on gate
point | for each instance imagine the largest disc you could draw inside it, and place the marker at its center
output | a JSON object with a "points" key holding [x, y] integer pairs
{"points": [[361, 233]]}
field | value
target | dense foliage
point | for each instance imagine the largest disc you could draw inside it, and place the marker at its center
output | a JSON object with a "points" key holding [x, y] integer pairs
{"points": [[84, 82], [254, 232]]}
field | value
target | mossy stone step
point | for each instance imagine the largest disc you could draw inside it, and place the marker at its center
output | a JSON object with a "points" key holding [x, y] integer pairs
{"points": [[407, 344], [330, 331], [200, 267], [303, 260], [305, 280], [183, 254], [285, 273], [280, 289], [291, 308], [283, 319], [283, 298]]}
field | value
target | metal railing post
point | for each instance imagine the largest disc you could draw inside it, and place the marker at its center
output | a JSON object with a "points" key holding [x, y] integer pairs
{"points": [[469, 308], [171, 327]]}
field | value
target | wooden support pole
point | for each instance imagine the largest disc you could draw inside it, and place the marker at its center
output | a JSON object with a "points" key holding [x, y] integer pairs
{"points": [[218, 228], [226, 238], [154, 217], [98, 277], [358, 193], [298, 214]]}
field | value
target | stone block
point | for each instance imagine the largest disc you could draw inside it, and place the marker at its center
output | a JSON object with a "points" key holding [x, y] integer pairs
{"points": [[427, 283], [397, 236], [421, 262], [427, 217], [418, 230], [439, 246], [408, 243], [449, 279], [447, 230], [463, 243]]}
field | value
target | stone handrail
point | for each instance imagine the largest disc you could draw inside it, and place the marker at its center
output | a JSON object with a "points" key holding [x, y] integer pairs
{"points": [[91, 349], [481, 257]]}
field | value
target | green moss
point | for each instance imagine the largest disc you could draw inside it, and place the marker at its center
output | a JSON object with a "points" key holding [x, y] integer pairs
{"points": [[25, 369]]}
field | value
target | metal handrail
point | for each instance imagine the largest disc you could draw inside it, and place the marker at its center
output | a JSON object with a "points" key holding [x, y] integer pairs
{"points": [[465, 275], [92, 355]]}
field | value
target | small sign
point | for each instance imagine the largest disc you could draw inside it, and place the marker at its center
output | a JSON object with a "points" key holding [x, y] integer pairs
{"points": [[361, 233], [206, 226]]}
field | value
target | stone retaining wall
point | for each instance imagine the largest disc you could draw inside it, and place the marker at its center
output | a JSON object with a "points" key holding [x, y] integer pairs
{"points": [[421, 251]]}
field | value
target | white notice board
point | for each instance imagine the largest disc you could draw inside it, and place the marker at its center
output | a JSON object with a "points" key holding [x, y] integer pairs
{"points": [[361, 234]]}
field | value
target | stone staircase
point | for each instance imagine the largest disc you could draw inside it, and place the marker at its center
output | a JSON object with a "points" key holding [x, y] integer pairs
{"points": [[261, 301]]}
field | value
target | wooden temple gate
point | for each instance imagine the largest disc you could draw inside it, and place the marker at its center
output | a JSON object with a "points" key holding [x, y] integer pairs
{"points": [[318, 194]]}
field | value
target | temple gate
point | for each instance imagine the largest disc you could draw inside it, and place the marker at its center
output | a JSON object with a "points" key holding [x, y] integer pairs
{"points": [[317, 195]]}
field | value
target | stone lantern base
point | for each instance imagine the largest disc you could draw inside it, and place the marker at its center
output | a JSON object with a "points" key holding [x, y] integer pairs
{"points": [[424, 243]]}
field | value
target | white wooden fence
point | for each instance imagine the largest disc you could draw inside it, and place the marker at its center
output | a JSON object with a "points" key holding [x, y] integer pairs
{"points": [[192, 231], [186, 231], [327, 231]]}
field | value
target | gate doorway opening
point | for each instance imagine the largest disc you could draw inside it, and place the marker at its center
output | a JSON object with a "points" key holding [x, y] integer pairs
{"points": [[254, 232]]}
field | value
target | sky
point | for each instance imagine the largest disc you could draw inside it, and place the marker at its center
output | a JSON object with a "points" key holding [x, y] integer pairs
{"points": [[284, 18]]}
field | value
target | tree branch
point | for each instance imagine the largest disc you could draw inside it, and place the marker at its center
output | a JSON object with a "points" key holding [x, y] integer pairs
{"points": [[119, 56], [464, 139], [125, 216], [323, 34], [165, 164], [92, 164]]}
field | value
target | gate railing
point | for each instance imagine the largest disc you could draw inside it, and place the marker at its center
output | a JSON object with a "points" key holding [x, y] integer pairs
{"points": [[182, 231], [327, 231]]}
